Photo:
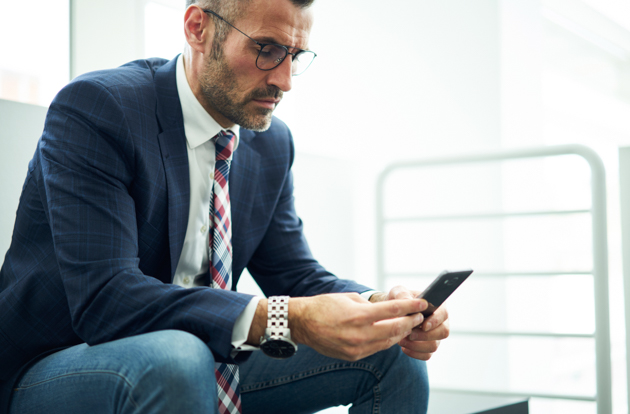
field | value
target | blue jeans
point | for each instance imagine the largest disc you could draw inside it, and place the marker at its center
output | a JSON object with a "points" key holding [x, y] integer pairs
{"points": [[173, 372]]}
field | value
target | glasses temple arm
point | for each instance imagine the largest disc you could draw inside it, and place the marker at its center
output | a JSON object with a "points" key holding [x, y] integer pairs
{"points": [[222, 19]]}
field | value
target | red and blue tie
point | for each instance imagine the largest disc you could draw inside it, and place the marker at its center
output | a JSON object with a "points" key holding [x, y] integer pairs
{"points": [[221, 262]]}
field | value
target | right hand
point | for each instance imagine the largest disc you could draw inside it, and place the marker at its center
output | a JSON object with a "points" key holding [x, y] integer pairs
{"points": [[348, 327]]}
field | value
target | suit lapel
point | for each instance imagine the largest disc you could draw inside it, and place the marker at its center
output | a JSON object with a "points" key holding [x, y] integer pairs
{"points": [[172, 141], [243, 184]]}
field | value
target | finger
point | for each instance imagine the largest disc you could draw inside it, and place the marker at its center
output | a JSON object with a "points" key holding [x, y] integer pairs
{"points": [[425, 347], [380, 342], [436, 334], [394, 308], [417, 355], [392, 329], [437, 319]]}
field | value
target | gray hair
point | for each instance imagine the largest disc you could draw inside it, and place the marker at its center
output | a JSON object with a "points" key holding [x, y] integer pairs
{"points": [[231, 10]]}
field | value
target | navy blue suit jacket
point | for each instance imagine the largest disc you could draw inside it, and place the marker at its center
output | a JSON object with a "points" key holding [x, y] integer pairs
{"points": [[103, 215]]}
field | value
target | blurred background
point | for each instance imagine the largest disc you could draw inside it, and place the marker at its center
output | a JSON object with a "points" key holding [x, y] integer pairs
{"points": [[418, 80]]}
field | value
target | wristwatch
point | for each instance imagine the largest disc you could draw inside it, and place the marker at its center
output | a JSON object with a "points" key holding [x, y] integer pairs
{"points": [[277, 341]]}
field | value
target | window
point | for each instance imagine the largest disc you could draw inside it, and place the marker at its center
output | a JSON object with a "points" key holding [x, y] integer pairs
{"points": [[164, 28], [34, 58]]}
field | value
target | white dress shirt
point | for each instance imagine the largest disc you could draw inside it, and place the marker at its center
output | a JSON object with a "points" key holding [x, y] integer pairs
{"points": [[192, 268]]}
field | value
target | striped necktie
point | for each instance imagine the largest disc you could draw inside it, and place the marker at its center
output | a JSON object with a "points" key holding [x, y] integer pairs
{"points": [[221, 265]]}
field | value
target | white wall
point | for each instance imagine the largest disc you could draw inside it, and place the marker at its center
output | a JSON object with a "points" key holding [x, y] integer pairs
{"points": [[21, 127]]}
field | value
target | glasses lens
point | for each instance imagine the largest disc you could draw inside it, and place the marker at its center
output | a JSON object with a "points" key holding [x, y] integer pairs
{"points": [[270, 56], [302, 61]]}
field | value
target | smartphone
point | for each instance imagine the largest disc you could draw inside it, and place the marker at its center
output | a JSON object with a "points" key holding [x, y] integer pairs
{"points": [[442, 287]]}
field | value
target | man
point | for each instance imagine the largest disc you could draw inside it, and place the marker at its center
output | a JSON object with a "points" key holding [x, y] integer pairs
{"points": [[118, 291]]}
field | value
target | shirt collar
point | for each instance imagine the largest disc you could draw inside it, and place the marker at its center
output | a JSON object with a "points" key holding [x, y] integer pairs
{"points": [[199, 126]]}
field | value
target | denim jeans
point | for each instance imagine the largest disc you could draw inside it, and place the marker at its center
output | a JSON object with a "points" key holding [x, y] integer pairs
{"points": [[173, 372]]}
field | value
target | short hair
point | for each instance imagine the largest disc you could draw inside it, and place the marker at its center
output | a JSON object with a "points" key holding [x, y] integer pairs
{"points": [[231, 10]]}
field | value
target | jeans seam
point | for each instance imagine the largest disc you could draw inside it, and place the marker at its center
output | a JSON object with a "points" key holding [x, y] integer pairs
{"points": [[114, 373], [376, 408], [311, 373]]}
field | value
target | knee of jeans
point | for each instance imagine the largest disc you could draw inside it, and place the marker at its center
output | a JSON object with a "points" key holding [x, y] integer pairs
{"points": [[413, 371], [179, 357]]}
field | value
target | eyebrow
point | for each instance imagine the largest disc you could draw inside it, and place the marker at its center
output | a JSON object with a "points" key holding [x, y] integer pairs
{"points": [[266, 39]]}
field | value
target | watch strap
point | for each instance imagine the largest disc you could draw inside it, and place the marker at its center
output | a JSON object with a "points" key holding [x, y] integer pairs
{"points": [[278, 316]]}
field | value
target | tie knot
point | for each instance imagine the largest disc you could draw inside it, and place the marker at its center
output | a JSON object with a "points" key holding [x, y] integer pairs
{"points": [[224, 145]]}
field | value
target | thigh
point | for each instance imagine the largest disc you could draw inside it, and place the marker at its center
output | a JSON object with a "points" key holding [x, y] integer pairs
{"points": [[309, 382], [125, 376]]}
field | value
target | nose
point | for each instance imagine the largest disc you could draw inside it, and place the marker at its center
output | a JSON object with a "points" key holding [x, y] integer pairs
{"points": [[282, 75]]}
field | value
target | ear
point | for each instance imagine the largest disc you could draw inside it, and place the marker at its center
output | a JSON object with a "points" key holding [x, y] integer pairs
{"points": [[198, 28]]}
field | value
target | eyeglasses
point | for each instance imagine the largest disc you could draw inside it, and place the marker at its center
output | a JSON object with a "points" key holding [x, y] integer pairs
{"points": [[271, 55]]}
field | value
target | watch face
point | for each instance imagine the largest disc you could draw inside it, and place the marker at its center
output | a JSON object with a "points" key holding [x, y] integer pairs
{"points": [[278, 349]]}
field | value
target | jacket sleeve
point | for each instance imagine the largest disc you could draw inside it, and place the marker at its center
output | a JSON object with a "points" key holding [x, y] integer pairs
{"points": [[283, 264]]}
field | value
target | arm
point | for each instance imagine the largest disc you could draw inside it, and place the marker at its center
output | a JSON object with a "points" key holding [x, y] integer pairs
{"points": [[344, 325], [90, 160], [282, 263]]}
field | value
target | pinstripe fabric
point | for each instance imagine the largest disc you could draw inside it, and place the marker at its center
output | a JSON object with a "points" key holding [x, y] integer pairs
{"points": [[103, 215]]}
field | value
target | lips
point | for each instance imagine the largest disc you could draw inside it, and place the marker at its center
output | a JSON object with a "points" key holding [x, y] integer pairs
{"points": [[267, 102]]}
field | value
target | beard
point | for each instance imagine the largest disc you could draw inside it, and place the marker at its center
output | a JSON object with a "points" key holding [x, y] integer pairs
{"points": [[221, 91]]}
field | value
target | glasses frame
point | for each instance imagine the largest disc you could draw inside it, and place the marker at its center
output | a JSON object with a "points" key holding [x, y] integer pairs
{"points": [[262, 45]]}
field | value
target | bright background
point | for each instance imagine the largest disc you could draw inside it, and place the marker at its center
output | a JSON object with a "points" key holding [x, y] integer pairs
{"points": [[419, 79]]}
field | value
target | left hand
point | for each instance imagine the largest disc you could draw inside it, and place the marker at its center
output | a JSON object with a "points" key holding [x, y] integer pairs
{"points": [[425, 338]]}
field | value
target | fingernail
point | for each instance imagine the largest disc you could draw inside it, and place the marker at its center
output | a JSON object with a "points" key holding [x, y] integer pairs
{"points": [[413, 336], [428, 326]]}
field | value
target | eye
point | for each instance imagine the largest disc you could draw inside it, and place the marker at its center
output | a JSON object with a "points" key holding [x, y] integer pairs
{"points": [[265, 51]]}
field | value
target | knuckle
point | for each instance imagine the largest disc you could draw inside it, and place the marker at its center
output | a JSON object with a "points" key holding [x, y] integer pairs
{"points": [[355, 341], [395, 308], [397, 331], [389, 342], [397, 291]]}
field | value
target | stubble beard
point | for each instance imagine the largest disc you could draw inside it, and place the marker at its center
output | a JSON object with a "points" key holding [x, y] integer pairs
{"points": [[220, 89]]}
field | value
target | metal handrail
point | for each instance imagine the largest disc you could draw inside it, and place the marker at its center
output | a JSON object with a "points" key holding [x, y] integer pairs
{"points": [[600, 250], [488, 216]]}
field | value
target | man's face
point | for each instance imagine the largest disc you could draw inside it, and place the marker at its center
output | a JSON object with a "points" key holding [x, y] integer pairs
{"points": [[231, 83]]}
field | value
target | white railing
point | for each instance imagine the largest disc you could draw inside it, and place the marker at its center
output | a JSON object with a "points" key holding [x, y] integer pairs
{"points": [[601, 335]]}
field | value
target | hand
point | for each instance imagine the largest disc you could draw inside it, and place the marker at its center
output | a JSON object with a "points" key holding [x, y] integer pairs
{"points": [[425, 338], [346, 326]]}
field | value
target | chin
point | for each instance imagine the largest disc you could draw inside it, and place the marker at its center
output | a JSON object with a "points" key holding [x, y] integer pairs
{"points": [[256, 123]]}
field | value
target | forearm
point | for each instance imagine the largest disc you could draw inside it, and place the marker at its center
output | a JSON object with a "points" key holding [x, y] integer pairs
{"points": [[259, 324]]}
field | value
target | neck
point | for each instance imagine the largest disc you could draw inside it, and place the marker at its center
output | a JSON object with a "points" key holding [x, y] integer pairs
{"points": [[193, 67]]}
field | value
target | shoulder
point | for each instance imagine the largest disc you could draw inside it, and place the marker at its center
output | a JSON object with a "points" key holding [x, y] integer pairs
{"points": [[132, 74], [134, 80], [108, 98], [277, 134]]}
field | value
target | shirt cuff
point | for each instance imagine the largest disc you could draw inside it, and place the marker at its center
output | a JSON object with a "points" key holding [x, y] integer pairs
{"points": [[242, 327], [368, 294]]}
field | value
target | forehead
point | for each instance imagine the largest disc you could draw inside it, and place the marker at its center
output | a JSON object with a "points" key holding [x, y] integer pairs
{"points": [[277, 21]]}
